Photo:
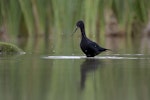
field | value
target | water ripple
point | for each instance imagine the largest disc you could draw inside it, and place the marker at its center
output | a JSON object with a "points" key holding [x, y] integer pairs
{"points": [[113, 56]]}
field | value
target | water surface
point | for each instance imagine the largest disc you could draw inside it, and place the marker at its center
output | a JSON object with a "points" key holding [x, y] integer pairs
{"points": [[48, 73]]}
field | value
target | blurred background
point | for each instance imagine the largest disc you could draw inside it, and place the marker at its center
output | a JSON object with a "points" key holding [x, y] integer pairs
{"points": [[44, 28], [51, 20]]}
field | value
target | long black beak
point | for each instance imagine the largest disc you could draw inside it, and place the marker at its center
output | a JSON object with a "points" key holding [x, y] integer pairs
{"points": [[75, 30]]}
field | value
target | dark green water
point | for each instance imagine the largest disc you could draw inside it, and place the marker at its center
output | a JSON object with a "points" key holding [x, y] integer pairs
{"points": [[66, 74]]}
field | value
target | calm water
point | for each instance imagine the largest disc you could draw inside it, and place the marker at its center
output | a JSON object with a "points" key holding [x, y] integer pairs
{"points": [[47, 72]]}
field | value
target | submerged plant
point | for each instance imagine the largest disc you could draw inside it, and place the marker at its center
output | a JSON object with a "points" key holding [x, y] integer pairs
{"points": [[8, 48]]}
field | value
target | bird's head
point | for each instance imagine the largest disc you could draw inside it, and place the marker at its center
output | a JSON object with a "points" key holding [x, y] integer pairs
{"points": [[79, 24]]}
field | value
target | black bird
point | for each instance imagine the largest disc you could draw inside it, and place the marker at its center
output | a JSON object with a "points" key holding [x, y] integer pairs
{"points": [[89, 47]]}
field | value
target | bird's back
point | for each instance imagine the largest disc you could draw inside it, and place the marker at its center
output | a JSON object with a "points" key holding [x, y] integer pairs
{"points": [[90, 48]]}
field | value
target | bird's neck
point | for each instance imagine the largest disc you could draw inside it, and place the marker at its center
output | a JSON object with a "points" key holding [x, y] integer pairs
{"points": [[83, 32]]}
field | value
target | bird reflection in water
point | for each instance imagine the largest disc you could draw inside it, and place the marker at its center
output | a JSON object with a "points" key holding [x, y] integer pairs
{"points": [[89, 65]]}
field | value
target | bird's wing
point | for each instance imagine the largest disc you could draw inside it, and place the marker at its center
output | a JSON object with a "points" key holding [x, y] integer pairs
{"points": [[94, 46]]}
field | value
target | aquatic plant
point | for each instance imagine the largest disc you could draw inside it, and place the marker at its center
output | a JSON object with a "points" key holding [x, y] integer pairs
{"points": [[8, 48], [43, 17]]}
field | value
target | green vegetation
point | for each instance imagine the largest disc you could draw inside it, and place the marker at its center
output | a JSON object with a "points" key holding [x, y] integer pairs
{"points": [[30, 77], [43, 17], [7, 48]]}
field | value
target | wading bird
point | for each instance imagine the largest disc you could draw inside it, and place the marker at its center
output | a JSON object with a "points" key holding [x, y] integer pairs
{"points": [[89, 47]]}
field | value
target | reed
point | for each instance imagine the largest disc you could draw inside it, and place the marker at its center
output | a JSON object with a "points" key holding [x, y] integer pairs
{"points": [[26, 8], [10, 15], [60, 16]]}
